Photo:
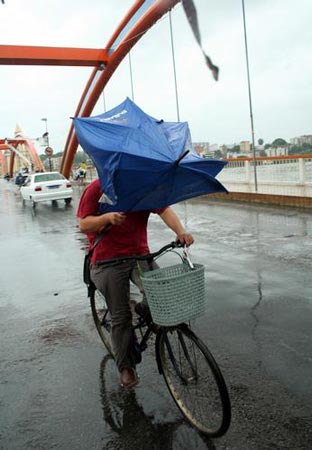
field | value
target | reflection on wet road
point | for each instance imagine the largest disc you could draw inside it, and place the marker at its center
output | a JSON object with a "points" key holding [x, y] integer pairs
{"points": [[58, 388]]}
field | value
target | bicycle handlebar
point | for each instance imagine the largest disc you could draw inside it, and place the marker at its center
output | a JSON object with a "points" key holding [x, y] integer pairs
{"points": [[163, 249]]}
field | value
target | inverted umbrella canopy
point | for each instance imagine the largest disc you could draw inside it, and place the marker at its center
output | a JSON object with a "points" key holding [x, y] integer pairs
{"points": [[144, 163]]}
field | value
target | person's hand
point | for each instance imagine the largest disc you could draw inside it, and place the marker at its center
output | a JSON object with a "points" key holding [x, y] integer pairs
{"points": [[116, 218], [185, 238]]}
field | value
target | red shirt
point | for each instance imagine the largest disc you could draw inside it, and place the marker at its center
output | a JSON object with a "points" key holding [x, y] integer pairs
{"points": [[129, 238]]}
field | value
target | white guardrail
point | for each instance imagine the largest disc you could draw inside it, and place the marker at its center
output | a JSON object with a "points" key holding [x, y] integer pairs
{"points": [[288, 175]]}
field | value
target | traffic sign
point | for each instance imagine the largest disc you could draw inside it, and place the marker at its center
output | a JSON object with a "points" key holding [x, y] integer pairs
{"points": [[48, 151]]}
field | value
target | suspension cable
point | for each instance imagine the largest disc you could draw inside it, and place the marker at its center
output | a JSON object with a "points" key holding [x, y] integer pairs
{"points": [[174, 69], [177, 99], [131, 79]]}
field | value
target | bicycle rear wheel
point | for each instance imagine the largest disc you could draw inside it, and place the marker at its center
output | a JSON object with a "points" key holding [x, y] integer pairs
{"points": [[102, 318], [194, 380]]}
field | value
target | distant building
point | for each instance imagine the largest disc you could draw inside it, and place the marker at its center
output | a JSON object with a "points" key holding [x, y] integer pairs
{"points": [[236, 155], [223, 149], [213, 147], [201, 147], [245, 146], [277, 151], [205, 149], [54, 163], [305, 139], [57, 161]]}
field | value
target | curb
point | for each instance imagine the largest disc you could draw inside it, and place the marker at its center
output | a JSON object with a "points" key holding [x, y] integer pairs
{"points": [[281, 200]]}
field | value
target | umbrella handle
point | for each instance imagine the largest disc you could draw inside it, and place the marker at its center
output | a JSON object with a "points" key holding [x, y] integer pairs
{"points": [[176, 163]]}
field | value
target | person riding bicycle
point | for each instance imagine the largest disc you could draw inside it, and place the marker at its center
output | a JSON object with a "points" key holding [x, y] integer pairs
{"points": [[126, 235]]}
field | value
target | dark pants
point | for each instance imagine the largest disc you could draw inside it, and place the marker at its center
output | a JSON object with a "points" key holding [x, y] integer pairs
{"points": [[114, 283]]}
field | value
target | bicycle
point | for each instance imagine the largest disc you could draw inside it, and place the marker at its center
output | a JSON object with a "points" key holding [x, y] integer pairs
{"points": [[191, 373]]}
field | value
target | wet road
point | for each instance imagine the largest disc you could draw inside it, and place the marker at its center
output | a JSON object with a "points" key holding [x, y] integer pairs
{"points": [[58, 389]]}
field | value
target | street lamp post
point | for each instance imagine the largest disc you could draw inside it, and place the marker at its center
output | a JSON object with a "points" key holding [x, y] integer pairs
{"points": [[46, 135], [250, 103]]}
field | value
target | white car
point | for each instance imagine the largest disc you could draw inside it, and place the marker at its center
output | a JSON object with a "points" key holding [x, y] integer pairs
{"points": [[46, 186]]}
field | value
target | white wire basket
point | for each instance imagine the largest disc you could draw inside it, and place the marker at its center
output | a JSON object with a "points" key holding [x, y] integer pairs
{"points": [[175, 294]]}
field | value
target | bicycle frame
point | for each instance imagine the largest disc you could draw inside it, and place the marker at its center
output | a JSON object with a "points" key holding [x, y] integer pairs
{"points": [[145, 336]]}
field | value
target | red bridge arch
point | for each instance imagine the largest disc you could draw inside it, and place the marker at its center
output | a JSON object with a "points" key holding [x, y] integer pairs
{"points": [[141, 17]]}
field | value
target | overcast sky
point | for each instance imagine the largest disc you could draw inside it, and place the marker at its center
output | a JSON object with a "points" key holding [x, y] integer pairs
{"points": [[280, 46]]}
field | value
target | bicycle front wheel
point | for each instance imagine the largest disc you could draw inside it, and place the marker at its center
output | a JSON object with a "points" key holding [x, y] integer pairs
{"points": [[102, 318], [194, 380]]}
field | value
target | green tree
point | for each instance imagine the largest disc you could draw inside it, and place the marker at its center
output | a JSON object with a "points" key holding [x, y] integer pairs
{"points": [[304, 149], [218, 154], [80, 157], [279, 142]]}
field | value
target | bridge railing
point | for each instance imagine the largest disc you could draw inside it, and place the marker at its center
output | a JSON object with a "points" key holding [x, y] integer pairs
{"points": [[280, 175], [288, 176]]}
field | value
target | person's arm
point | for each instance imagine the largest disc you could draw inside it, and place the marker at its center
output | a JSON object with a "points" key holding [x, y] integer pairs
{"points": [[96, 224], [173, 222]]}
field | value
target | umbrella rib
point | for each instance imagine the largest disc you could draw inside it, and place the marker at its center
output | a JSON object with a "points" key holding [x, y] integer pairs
{"points": [[177, 161]]}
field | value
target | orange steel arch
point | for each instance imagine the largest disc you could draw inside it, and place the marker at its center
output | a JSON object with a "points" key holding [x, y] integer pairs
{"points": [[7, 144], [32, 151], [141, 17], [5, 147], [118, 47], [3, 159], [51, 56]]}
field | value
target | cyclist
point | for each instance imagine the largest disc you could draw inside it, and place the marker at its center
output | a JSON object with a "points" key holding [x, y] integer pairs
{"points": [[126, 236]]}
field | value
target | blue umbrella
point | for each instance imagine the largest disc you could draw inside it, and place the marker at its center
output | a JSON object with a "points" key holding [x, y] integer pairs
{"points": [[144, 163]]}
